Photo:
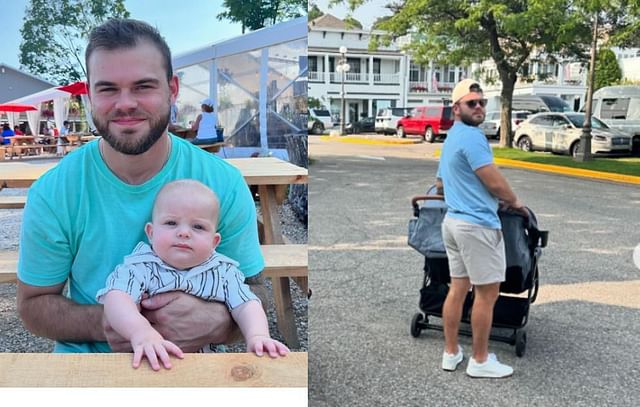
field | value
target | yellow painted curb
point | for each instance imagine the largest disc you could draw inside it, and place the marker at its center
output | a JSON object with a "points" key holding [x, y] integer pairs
{"points": [[362, 140], [576, 172], [557, 169]]}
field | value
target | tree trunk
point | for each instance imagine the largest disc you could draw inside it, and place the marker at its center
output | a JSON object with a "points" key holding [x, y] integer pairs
{"points": [[506, 96], [297, 149]]}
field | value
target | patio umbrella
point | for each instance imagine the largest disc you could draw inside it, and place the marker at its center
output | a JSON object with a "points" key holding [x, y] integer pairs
{"points": [[16, 107], [76, 88]]}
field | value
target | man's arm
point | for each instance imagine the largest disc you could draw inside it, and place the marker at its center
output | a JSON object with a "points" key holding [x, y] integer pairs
{"points": [[495, 182], [46, 312]]}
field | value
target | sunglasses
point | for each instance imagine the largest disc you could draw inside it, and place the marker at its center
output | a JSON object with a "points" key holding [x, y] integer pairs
{"points": [[472, 104]]}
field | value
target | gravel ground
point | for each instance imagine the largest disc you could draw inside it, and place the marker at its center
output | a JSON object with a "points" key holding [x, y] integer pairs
{"points": [[14, 338]]}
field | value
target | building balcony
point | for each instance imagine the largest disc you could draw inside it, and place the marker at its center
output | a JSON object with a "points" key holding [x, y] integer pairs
{"points": [[423, 87], [315, 76]]}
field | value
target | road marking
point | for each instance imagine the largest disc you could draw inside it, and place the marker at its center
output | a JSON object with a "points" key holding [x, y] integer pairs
{"points": [[618, 293], [371, 157]]}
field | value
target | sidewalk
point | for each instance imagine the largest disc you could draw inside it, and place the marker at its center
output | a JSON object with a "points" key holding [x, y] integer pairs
{"points": [[377, 139]]}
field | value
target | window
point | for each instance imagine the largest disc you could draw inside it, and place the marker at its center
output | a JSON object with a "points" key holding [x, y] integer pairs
{"points": [[376, 65], [354, 64], [414, 73], [313, 64], [614, 108], [542, 121]]}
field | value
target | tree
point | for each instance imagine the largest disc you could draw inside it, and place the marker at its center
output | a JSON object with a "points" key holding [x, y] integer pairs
{"points": [[607, 69], [510, 32], [256, 14], [351, 22], [55, 32], [314, 12]]}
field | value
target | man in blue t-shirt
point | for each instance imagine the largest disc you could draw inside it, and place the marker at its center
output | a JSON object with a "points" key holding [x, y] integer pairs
{"points": [[88, 212], [473, 188]]}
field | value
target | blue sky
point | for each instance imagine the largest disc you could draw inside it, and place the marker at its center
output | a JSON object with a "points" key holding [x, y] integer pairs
{"points": [[185, 24]]}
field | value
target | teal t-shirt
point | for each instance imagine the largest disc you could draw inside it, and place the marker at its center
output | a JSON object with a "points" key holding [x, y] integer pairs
{"points": [[80, 221], [465, 150]]}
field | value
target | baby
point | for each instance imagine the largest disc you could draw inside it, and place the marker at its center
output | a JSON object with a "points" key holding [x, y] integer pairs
{"points": [[181, 257]]}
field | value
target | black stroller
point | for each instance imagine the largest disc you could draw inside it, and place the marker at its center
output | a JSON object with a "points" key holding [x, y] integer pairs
{"points": [[523, 247]]}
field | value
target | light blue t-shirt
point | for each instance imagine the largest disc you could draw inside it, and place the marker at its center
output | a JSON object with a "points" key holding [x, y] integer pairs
{"points": [[80, 220], [465, 150]]}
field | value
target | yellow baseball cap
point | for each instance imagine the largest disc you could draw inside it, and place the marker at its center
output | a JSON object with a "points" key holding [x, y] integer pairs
{"points": [[463, 88]]}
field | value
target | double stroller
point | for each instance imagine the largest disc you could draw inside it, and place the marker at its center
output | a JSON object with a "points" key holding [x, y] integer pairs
{"points": [[523, 247]]}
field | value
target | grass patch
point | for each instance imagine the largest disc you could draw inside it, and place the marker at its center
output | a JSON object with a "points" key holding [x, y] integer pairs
{"points": [[622, 165]]}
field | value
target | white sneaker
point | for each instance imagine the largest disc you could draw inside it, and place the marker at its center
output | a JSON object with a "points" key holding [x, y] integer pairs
{"points": [[450, 362], [490, 368]]}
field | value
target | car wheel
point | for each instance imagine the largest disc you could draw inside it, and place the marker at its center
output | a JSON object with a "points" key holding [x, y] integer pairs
{"points": [[575, 147], [317, 128], [524, 143], [428, 135], [400, 132]]}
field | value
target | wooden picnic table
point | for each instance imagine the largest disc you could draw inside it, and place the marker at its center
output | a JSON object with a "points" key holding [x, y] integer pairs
{"points": [[114, 370], [272, 177]]}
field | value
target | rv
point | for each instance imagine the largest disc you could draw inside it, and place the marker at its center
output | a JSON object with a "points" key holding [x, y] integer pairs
{"points": [[619, 107]]}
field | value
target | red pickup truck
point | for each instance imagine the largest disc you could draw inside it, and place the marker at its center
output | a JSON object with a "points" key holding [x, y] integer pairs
{"points": [[428, 121]]}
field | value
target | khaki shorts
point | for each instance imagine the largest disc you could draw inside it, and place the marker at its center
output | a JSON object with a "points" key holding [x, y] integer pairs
{"points": [[474, 251]]}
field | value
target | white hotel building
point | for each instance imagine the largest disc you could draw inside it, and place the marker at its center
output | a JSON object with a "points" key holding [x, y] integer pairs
{"points": [[382, 78], [387, 77]]}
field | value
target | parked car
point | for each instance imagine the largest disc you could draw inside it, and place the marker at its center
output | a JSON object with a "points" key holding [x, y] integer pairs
{"points": [[619, 107], [428, 121], [319, 120], [491, 124], [560, 133], [531, 103], [387, 119], [365, 125]]}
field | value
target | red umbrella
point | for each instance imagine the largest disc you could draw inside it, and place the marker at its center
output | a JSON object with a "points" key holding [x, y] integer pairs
{"points": [[76, 88], [16, 107]]}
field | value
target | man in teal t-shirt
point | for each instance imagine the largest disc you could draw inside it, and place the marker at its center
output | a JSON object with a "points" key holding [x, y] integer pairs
{"points": [[88, 212]]}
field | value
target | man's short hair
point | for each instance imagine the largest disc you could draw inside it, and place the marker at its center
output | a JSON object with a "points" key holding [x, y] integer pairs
{"points": [[127, 33]]}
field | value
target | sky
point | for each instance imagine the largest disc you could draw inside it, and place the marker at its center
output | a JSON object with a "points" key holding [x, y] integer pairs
{"points": [[367, 14], [185, 24]]}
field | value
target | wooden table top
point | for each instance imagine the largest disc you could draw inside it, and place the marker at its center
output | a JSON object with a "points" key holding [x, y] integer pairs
{"points": [[114, 370], [256, 171]]}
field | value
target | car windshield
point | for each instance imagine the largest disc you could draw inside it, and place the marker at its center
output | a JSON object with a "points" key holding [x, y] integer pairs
{"points": [[323, 113], [578, 121], [398, 111]]}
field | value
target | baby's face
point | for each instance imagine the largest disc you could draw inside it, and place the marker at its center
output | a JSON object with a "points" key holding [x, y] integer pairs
{"points": [[183, 233]]}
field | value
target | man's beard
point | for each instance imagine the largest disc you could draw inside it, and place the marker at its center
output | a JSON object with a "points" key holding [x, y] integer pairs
{"points": [[130, 146], [469, 120]]}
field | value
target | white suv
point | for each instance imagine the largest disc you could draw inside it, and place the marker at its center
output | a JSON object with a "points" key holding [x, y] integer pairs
{"points": [[491, 125], [319, 121], [387, 119]]}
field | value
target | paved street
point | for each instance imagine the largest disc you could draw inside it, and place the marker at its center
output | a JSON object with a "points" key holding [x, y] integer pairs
{"points": [[583, 332]]}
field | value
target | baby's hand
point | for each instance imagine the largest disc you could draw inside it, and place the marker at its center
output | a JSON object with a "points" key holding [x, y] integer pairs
{"points": [[151, 344], [260, 344]]}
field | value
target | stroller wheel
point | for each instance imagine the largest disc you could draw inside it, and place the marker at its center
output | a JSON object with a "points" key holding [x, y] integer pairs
{"points": [[416, 322], [521, 342]]}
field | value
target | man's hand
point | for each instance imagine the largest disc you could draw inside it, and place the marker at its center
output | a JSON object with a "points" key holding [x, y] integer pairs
{"points": [[517, 207], [187, 321]]}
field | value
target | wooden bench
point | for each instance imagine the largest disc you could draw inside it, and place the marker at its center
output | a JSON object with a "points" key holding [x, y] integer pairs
{"points": [[19, 149], [114, 370], [280, 261], [12, 202]]}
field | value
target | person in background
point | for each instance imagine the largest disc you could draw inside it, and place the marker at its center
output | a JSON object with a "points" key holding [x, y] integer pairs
{"points": [[17, 131], [205, 123], [61, 139], [7, 133]]}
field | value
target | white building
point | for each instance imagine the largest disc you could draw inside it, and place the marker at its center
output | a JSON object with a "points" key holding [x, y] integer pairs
{"points": [[382, 78], [565, 79], [629, 62]]}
